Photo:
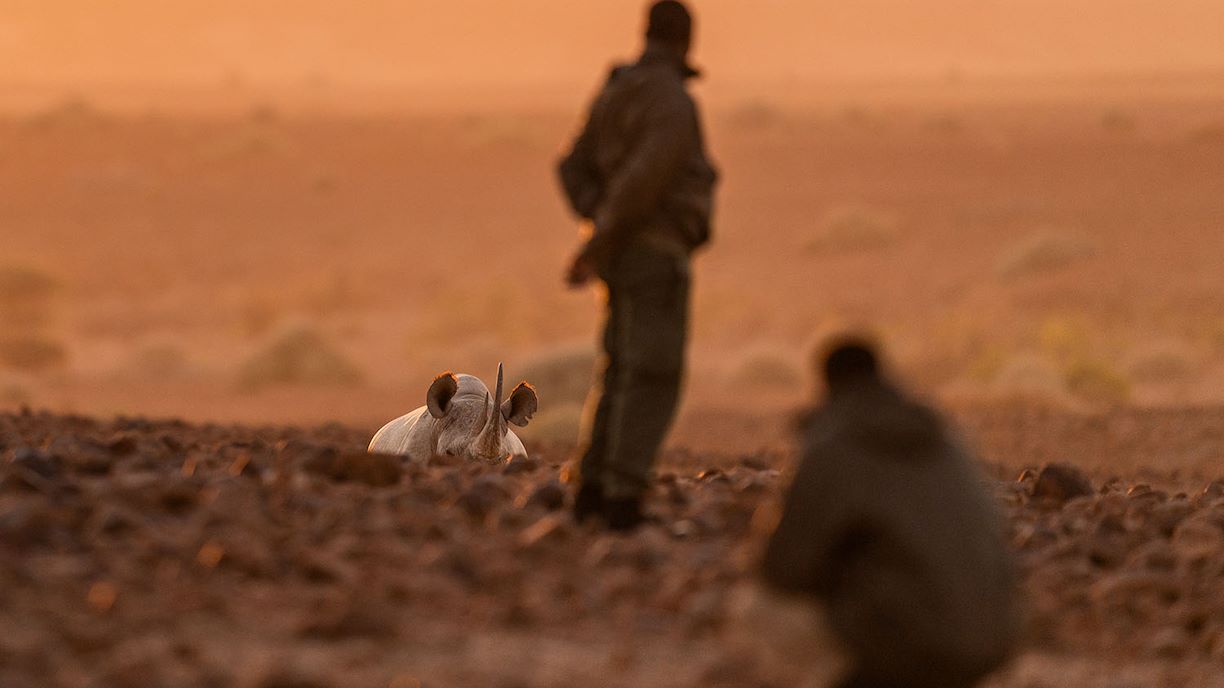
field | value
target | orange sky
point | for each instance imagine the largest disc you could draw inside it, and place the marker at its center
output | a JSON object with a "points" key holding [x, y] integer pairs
{"points": [[76, 43]]}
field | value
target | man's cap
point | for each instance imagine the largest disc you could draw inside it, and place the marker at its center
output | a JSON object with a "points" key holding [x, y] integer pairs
{"points": [[669, 20]]}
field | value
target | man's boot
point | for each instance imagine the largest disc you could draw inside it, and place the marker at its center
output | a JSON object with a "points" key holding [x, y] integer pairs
{"points": [[588, 502], [624, 514]]}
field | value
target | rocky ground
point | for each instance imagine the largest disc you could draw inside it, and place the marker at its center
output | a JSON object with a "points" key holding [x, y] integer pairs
{"points": [[141, 553]]}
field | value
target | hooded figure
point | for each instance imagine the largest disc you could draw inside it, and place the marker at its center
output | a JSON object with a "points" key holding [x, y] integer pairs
{"points": [[888, 523]]}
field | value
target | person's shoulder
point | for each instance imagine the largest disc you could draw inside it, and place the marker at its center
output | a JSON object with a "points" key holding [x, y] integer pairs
{"points": [[618, 71]]}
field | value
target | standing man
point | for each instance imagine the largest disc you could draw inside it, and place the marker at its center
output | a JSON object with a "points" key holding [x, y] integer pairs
{"points": [[638, 173]]}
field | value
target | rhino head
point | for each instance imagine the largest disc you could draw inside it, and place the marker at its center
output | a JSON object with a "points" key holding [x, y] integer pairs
{"points": [[469, 423]]}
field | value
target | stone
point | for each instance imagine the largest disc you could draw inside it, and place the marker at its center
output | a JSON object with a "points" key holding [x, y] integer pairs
{"points": [[520, 464], [38, 462], [1059, 483], [550, 495]]}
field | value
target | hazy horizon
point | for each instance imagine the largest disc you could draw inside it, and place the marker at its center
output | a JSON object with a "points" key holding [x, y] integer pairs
{"points": [[425, 44]]}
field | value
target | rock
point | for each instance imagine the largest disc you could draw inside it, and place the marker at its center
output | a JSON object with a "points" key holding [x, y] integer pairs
{"points": [[550, 496], [1059, 483], [123, 444], [38, 462], [1211, 494], [375, 470], [551, 528], [520, 464], [1169, 642], [1197, 538], [289, 677], [484, 494]]}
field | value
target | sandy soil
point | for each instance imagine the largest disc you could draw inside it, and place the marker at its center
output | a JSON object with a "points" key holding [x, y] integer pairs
{"points": [[141, 553], [1063, 246]]}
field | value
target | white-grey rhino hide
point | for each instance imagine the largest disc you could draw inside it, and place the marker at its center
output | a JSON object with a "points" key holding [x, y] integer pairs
{"points": [[460, 418]]}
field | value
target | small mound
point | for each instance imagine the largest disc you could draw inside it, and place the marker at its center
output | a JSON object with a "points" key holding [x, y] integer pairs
{"points": [[555, 425], [562, 375], [299, 355], [1042, 253], [26, 294], [765, 367], [32, 353], [854, 229]]}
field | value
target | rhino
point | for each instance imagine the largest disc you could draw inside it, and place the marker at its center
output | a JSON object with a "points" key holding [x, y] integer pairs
{"points": [[460, 419]]}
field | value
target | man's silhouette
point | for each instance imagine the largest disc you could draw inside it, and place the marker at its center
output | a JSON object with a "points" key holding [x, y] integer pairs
{"points": [[888, 523], [639, 173]]}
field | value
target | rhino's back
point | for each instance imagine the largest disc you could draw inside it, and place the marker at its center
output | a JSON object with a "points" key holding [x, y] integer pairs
{"points": [[407, 435]]}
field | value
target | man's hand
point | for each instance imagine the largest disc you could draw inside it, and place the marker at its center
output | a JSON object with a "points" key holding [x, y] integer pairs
{"points": [[581, 270]]}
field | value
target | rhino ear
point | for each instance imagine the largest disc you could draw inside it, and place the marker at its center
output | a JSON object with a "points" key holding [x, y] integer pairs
{"points": [[438, 399], [521, 405]]}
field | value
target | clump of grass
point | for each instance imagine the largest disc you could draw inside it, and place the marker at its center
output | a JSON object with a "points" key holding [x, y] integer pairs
{"points": [[298, 355], [14, 394], [32, 353], [1043, 252], [1064, 339], [1028, 376], [1209, 134], [26, 295], [72, 109], [559, 424], [755, 115], [854, 229], [1162, 362], [946, 123], [1096, 382], [562, 375], [160, 361], [1117, 120], [764, 367]]}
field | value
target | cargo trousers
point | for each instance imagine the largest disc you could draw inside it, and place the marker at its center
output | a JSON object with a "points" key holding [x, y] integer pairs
{"points": [[637, 390]]}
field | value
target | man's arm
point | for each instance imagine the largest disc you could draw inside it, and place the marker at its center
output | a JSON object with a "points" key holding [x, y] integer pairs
{"points": [[813, 517], [579, 176]]}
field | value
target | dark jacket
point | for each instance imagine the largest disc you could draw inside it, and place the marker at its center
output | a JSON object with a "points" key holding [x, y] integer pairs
{"points": [[888, 521], [639, 170]]}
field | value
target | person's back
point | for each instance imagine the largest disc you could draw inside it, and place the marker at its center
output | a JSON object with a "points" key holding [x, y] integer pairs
{"points": [[887, 521], [639, 169]]}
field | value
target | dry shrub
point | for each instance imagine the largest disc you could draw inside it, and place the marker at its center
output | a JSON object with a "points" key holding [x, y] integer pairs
{"points": [[1064, 340], [755, 115], [765, 367], [160, 361], [853, 229], [555, 424], [32, 353], [562, 375], [1032, 377], [259, 135], [1117, 120], [1162, 362], [298, 355], [14, 393], [73, 109], [1098, 383], [1043, 252], [946, 123], [26, 295], [257, 315], [482, 132], [1209, 134]]}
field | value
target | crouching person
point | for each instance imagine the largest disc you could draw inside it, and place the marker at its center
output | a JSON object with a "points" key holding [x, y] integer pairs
{"points": [[888, 524]]}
